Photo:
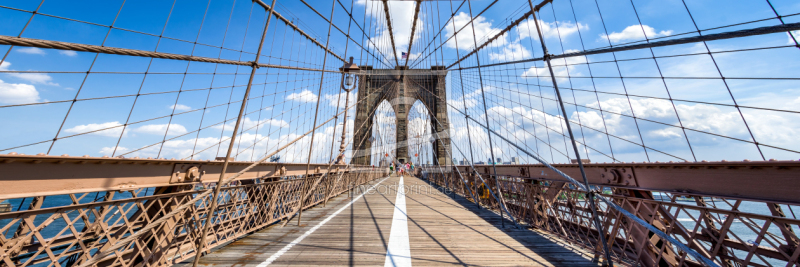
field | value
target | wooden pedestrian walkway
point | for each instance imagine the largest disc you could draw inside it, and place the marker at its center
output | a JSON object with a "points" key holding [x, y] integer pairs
{"points": [[431, 229]]}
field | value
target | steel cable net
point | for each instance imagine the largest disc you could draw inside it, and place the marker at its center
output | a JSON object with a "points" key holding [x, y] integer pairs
{"points": [[654, 83]]}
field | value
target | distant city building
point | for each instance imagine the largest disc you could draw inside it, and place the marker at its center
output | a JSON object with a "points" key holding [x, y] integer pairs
{"points": [[480, 163], [515, 160], [499, 161], [582, 160]]}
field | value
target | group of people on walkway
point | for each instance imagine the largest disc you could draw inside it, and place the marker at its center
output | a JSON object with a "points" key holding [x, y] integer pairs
{"points": [[401, 168]]}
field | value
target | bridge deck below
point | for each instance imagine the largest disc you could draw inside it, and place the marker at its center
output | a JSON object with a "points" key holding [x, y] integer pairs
{"points": [[440, 231]]}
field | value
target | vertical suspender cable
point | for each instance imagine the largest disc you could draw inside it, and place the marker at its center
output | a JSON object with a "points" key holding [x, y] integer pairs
{"points": [[202, 238], [486, 114], [316, 112], [464, 101], [589, 192]]}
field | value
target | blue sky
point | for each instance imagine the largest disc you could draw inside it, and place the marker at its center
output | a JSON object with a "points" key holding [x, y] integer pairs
{"points": [[518, 96]]}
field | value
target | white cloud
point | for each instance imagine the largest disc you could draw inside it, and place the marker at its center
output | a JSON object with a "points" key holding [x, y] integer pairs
{"points": [[17, 93], [573, 60], [543, 73], [179, 107], [36, 78], [107, 151], [31, 50], [510, 52], [402, 16], [339, 99], [562, 68], [635, 33], [549, 29], [465, 39], [249, 124], [768, 127], [68, 53], [113, 132], [305, 96], [796, 35], [159, 129]]}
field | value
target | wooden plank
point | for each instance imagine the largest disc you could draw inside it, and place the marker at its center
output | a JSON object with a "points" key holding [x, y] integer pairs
{"points": [[442, 231]]}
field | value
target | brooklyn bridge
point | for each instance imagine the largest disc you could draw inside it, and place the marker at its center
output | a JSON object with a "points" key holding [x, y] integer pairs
{"points": [[399, 133]]}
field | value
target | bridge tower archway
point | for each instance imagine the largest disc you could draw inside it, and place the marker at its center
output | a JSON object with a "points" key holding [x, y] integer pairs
{"points": [[401, 88], [384, 125], [421, 135]]}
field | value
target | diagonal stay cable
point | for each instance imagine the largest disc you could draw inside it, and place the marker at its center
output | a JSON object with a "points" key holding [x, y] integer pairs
{"points": [[121, 243], [391, 33], [581, 187]]}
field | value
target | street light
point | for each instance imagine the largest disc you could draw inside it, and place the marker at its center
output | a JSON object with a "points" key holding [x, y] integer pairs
{"points": [[349, 81], [348, 84]]}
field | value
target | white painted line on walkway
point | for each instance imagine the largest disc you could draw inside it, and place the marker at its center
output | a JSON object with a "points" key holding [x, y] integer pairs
{"points": [[399, 251], [320, 224]]}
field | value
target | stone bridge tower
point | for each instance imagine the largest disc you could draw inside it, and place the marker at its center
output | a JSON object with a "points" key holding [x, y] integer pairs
{"points": [[401, 87]]}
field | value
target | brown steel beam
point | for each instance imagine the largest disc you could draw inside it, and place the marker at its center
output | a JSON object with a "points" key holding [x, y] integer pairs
{"points": [[26, 175], [771, 181]]}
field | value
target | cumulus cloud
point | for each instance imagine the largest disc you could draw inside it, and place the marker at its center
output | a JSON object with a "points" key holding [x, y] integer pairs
{"points": [[796, 35], [527, 29], [483, 31], [68, 53], [179, 107], [510, 52], [249, 124], [160, 129], [36, 78], [402, 16], [634, 33], [543, 73], [31, 50], [304, 96], [96, 129], [338, 100], [562, 68], [107, 151], [768, 127], [17, 93], [469, 98]]}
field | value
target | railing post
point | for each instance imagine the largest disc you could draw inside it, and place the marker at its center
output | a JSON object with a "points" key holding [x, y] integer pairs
{"points": [[589, 192]]}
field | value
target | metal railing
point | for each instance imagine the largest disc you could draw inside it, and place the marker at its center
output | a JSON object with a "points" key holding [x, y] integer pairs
{"points": [[741, 228], [51, 228]]}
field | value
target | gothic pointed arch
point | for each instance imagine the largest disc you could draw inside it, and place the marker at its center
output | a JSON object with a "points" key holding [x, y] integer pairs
{"points": [[401, 88]]}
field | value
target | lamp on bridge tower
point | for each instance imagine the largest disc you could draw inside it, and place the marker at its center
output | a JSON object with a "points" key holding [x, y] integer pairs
{"points": [[348, 84]]}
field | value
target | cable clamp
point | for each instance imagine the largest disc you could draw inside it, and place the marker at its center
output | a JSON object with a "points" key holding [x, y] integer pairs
{"points": [[547, 57], [254, 64]]}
